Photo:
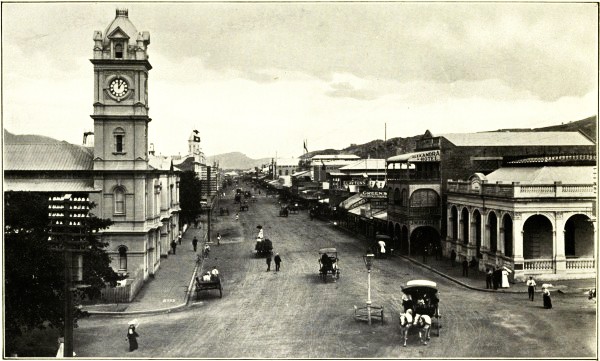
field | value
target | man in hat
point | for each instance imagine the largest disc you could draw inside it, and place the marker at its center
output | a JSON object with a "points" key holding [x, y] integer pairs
{"points": [[531, 287], [268, 262], [195, 243], [277, 260]]}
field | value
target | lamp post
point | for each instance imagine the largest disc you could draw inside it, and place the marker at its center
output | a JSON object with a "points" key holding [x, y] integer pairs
{"points": [[368, 258]]}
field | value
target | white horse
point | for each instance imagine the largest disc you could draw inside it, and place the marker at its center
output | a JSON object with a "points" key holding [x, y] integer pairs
{"points": [[406, 321]]}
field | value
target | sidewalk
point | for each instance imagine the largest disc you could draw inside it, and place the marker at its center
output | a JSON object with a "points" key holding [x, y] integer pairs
{"points": [[169, 289], [476, 279]]}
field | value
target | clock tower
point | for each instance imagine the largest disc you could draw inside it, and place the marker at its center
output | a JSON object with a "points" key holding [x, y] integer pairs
{"points": [[120, 116], [135, 195]]}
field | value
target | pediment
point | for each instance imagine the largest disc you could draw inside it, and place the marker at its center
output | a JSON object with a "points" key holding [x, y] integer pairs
{"points": [[118, 33]]}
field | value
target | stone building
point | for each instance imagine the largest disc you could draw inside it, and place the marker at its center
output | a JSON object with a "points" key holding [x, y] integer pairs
{"points": [[536, 219], [139, 193], [416, 181]]}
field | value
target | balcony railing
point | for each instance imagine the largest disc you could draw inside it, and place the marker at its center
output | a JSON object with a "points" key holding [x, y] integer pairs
{"points": [[540, 264], [581, 264], [524, 190]]}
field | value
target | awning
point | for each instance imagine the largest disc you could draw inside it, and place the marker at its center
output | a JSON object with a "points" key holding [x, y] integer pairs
{"points": [[50, 185], [351, 201]]}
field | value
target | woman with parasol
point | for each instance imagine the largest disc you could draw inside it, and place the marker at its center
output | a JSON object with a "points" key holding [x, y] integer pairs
{"points": [[546, 296], [132, 335]]}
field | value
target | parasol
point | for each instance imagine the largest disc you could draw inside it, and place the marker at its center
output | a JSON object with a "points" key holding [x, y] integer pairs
{"points": [[134, 322], [259, 226], [547, 285], [382, 236], [507, 269]]}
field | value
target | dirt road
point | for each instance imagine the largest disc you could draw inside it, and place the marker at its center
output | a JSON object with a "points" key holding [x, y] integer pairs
{"points": [[292, 313]]}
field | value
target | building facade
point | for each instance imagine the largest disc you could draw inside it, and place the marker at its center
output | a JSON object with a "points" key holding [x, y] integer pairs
{"points": [[416, 181], [536, 220]]}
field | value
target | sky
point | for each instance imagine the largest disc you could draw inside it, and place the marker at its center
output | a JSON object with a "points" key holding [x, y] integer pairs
{"points": [[260, 78]]}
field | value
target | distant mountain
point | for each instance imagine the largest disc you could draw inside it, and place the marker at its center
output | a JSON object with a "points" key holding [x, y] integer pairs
{"points": [[236, 160], [394, 146], [10, 138]]}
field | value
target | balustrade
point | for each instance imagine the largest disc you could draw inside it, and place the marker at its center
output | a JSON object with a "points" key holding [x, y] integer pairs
{"points": [[538, 264], [581, 263]]}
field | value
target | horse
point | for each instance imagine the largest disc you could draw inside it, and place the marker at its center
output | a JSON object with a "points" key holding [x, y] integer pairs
{"points": [[406, 320]]}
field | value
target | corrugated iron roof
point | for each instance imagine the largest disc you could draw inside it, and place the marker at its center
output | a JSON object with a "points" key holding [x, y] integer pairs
{"points": [[365, 164], [491, 139], [49, 156], [49, 185], [544, 175]]}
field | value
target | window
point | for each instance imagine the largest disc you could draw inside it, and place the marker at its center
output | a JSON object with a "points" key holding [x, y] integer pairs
{"points": [[119, 51], [122, 258], [119, 135], [424, 198], [119, 201]]}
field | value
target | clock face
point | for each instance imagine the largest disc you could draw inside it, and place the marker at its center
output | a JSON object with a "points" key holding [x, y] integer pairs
{"points": [[118, 87]]}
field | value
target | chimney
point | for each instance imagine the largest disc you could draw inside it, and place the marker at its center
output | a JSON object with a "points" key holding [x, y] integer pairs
{"points": [[151, 149], [87, 140]]}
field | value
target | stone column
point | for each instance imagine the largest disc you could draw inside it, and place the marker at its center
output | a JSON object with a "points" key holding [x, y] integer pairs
{"points": [[558, 234]]}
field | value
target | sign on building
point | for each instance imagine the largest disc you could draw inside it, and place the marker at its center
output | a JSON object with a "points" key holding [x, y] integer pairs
{"points": [[428, 156], [374, 194]]}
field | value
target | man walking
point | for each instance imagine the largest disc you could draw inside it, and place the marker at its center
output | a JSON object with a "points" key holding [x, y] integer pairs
{"points": [[174, 246], [465, 266], [268, 263], [179, 237], [531, 287], [277, 262], [195, 243], [218, 238], [488, 278]]}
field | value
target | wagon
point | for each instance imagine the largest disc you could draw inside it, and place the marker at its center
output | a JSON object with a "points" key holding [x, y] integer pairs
{"points": [[328, 263], [213, 284], [425, 297], [263, 247]]}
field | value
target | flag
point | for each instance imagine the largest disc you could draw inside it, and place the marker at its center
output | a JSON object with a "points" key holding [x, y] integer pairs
{"points": [[305, 148], [196, 139]]}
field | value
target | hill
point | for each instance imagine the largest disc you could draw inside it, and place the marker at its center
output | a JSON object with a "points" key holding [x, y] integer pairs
{"points": [[394, 146], [236, 160], [10, 138]]}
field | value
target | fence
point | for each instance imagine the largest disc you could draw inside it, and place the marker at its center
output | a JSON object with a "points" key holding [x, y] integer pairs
{"points": [[124, 293]]}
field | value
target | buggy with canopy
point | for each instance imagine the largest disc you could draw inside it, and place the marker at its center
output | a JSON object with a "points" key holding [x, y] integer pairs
{"points": [[328, 263], [425, 298]]}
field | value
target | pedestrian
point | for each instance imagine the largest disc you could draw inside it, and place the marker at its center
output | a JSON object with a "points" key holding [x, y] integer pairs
{"points": [[196, 223], [452, 257], [132, 338], [237, 216], [425, 253], [277, 260], [504, 274], [436, 251], [531, 288], [488, 278], [174, 246], [195, 243], [497, 278], [218, 238], [179, 237], [465, 267], [546, 297], [268, 263], [214, 274], [381, 248]]}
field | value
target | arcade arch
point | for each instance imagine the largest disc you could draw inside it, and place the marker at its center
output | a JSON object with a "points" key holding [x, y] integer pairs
{"points": [[579, 236], [537, 237]]}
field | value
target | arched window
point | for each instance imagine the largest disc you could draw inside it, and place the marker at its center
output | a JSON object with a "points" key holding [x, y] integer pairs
{"points": [[397, 199], [119, 51], [119, 200], [404, 197], [122, 258], [424, 198], [119, 135]]}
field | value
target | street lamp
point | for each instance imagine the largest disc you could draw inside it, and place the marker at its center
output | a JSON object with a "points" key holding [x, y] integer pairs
{"points": [[368, 258]]}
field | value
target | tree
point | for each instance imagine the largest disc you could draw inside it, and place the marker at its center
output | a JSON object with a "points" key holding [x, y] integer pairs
{"points": [[190, 196], [33, 271]]}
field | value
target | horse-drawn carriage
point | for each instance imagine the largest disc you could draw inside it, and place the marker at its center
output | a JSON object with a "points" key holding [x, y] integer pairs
{"points": [[328, 263], [263, 247], [213, 284], [425, 300], [223, 211]]}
